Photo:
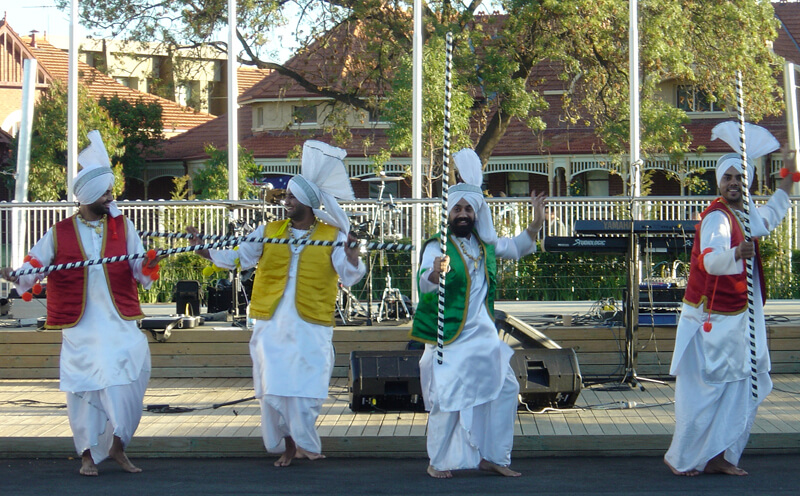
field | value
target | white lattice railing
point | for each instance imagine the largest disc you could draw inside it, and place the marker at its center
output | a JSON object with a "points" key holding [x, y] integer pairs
{"points": [[380, 219]]}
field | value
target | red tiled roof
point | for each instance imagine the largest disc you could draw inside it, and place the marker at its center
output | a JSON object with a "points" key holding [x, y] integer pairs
{"points": [[176, 118], [338, 59], [247, 77]]}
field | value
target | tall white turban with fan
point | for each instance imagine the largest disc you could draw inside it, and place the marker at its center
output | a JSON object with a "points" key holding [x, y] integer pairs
{"points": [[469, 167], [96, 176], [323, 178], [758, 140]]}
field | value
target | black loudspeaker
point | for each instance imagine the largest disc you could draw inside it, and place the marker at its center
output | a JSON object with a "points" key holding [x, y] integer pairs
{"points": [[385, 380], [547, 378], [187, 298]]}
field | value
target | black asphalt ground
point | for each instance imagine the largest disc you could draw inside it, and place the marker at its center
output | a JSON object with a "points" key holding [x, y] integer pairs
{"points": [[772, 475]]}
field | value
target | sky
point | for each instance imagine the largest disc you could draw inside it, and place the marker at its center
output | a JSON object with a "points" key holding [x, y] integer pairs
{"points": [[42, 15]]}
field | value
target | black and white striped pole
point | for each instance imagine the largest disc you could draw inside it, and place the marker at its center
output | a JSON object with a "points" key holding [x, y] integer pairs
{"points": [[448, 84], [751, 316], [280, 241], [224, 243]]}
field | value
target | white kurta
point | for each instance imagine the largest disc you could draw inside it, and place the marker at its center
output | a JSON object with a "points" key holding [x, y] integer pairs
{"points": [[105, 360], [472, 395], [714, 410], [292, 359]]}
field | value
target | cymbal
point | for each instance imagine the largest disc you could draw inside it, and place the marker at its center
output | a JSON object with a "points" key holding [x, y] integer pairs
{"points": [[382, 179]]}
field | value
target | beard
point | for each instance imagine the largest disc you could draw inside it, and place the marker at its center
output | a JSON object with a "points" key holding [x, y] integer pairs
{"points": [[462, 229], [99, 209]]}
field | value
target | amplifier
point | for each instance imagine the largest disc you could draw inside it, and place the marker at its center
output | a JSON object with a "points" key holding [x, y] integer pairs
{"points": [[547, 378], [385, 380]]}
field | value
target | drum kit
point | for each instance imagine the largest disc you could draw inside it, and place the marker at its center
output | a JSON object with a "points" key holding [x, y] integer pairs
{"points": [[393, 305]]}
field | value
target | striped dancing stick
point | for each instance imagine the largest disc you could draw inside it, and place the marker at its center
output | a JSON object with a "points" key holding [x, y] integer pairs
{"points": [[747, 237], [223, 243], [279, 241], [448, 84]]}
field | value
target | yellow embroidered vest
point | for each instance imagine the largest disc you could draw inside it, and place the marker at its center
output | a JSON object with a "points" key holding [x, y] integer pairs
{"points": [[315, 297]]}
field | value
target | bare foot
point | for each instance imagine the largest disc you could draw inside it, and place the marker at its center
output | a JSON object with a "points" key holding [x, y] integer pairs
{"points": [[301, 453], [87, 465], [286, 458], [688, 473], [439, 474], [719, 465], [117, 453], [498, 469]]}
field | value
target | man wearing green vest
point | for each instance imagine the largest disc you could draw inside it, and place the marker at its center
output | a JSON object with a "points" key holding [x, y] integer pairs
{"points": [[293, 302], [472, 395]]}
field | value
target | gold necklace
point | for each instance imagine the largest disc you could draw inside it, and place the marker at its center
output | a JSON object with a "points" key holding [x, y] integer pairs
{"points": [[475, 260], [306, 234], [98, 228]]}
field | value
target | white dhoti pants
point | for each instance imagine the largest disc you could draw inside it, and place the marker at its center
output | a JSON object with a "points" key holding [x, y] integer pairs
{"points": [[293, 416], [459, 440], [95, 417], [710, 418]]}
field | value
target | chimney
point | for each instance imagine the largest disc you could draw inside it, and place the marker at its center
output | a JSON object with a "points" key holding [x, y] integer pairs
{"points": [[33, 38]]}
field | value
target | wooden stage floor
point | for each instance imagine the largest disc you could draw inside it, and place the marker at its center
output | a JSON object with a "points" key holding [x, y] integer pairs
{"points": [[34, 422]]}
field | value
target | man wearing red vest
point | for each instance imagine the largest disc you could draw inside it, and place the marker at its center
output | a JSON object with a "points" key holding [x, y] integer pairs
{"points": [[294, 299], [472, 395], [714, 408], [105, 358]]}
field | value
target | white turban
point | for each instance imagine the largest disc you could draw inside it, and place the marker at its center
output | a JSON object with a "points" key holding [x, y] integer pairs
{"points": [[96, 176], [469, 167], [759, 142], [323, 178]]}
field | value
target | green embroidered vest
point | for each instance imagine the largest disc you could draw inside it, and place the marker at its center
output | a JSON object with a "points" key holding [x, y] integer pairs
{"points": [[456, 296]]}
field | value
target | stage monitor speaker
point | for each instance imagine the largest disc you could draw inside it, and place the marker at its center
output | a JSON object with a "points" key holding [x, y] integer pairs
{"points": [[187, 298], [385, 380], [547, 378]]}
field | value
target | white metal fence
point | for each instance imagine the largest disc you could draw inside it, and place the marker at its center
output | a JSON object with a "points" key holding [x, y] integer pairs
{"points": [[381, 220]]}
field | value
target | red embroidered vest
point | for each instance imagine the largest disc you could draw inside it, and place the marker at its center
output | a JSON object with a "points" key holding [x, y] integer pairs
{"points": [[66, 289], [720, 293]]}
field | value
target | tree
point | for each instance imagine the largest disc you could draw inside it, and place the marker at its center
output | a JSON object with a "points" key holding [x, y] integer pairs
{"points": [[47, 175], [211, 182], [142, 130], [499, 58]]}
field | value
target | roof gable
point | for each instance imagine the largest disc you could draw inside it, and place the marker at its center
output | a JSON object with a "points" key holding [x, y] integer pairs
{"points": [[13, 52]]}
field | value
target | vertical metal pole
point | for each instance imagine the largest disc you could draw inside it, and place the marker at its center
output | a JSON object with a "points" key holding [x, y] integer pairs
{"points": [[233, 105], [19, 218], [416, 147], [72, 101]]}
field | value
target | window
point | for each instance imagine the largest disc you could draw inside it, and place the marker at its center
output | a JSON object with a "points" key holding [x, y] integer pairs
{"points": [[596, 183], [305, 114], [690, 99], [260, 117], [518, 184]]}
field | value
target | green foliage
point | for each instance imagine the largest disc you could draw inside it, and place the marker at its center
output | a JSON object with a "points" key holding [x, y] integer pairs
{"points": [[47, 178], [142, 129], [497, 58], [399, 112], [180, 267], [211, 182], [181, 189]]}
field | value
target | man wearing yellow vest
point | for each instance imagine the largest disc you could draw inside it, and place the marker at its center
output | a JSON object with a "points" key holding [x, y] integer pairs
{"points": [[294, 299], [714, 406], [104, 366], [472, 394]]}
